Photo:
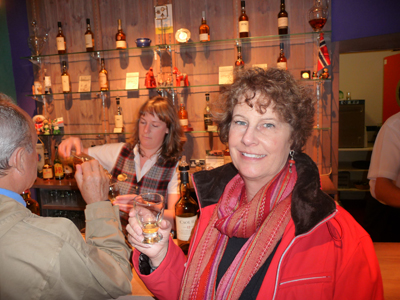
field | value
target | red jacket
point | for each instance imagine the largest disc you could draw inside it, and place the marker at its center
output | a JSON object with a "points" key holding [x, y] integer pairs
{"points": [[323, 254]]}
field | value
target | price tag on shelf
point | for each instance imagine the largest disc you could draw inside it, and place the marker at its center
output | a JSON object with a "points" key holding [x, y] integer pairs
{"points": [[132, 81], [85, 83], [226, 75]]}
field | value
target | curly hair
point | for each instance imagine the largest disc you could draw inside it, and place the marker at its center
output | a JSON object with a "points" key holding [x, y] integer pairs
{"points": [[261, 88], [161, 107]]}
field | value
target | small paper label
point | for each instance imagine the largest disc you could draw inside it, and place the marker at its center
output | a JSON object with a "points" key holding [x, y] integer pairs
{"points": [[281, 65], [88, 40], [184, 122], [226, 75], [60, 43], [85, 83], [244, 26], [132, 81], [65, 83], [204, 37], [282, 22], [121, 44], [184, 227]]}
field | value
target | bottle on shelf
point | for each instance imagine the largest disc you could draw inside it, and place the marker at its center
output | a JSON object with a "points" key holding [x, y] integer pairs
{"points": [[204, 29], [60, 40], [282, 61], [47, 83], [65, 80], [58, 167], [68, 170], [283, 19], [47, 168], [243, 22], [239, 61], [207, 114], [31, 204], [120, 37], [119, 119], [183, 117], [186, 209], [103, 77], [89, 37]]}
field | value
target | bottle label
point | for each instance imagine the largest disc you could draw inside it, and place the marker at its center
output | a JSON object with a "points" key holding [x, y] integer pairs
{"points": [[204, 37], [103, 80], [47, 172], [58, 170], [119, 121], [184, 227], [65, 83], [88, 40], [282, 22], [60, 43], [47, 81], [121, 44], [244, 26], [184, 122], [281, 65]]}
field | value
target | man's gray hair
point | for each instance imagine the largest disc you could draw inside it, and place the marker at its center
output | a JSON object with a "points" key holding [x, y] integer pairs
{"points": [[14, 132]]}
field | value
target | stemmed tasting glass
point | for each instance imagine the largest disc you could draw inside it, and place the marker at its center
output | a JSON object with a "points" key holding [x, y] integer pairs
{"points": [[318, 15], [149, 213]]}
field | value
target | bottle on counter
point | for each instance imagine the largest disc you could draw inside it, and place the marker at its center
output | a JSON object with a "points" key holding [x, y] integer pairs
{"points": [[103, 77], [204, 29], [282, 61], [31, 204], [120, 37], [243, 22], [60, 40], [119, 119], [89, 37], [239, 61], [283, 19], [65, 80], [207, 113], [186, 209], [58, 167], [183, 117], [47, 167]]}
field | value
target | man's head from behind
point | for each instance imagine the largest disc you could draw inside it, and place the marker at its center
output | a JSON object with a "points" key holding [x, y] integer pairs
{"points": [[18, 158]]}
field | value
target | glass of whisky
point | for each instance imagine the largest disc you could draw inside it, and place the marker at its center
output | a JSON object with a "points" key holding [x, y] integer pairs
{"points": [[149, 214]]}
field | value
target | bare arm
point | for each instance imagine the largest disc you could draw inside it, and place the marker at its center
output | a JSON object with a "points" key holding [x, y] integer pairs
{"points": [[387, 192]]}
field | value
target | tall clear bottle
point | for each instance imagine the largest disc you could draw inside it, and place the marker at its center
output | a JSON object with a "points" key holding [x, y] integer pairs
{"points": [[89, 37], [243, 22], [120, 37], [103, 77], [186, 209], [60, 40], [207, 113], [119, 120], [65, 80], [204, 29], [283, 19], [282, 61]]}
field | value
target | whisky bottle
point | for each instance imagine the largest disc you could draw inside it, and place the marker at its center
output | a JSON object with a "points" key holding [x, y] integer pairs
{"points": [[186, 209], [243, 22], [47, 83], [47, 168], [89, 37], [283, 19], [239, 61], [66, 83], [103, 77], [58, 167], [183, 117], [282, 61], [31, 204], [60, 40], [119, 120], [204, 29], [120, 37], [207, 113]]}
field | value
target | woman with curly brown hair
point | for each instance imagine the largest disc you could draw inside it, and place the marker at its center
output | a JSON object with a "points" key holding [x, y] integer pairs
{"points": [[266, 230], [149, 164]]}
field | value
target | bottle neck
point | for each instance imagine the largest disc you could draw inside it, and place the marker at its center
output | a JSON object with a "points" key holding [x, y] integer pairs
{"points": [[203, 21], [243, 10], [59, 30], [88, 27]]}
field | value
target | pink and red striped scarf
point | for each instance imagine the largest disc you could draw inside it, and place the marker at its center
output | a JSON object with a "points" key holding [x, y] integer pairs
{"points": [[262, 220]]}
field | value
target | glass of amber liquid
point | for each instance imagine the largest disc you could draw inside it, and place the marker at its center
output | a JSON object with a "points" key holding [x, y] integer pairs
{"points": [[149, 213]]}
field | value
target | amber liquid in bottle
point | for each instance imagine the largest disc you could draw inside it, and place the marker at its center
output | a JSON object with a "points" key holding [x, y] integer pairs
{"points": [[60, 40], [243, 22], [282, 61], [120, 37], [89, 37], [185, 209], [283, 19], [103, 77], [65, 80], [183, 117], [239, 61], [58, 167], [31, 204], [47, 168], [204, 29], [207, 114]]}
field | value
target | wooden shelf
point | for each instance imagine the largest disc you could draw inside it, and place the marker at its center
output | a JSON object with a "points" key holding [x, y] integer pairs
{"points": [[64, 184], [63, 207]]}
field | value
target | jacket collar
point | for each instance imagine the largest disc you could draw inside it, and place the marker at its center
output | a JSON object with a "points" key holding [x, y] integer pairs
{"points": [[310, 205]]}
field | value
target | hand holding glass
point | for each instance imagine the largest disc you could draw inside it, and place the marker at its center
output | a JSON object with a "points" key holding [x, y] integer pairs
{"points": [[149, 209]]}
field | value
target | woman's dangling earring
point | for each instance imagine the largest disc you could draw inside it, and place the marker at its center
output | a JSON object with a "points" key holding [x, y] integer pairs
{"points": [[291, 160]]}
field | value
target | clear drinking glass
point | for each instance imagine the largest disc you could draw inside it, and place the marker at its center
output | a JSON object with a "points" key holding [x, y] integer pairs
{"points": [[149, 213]]}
